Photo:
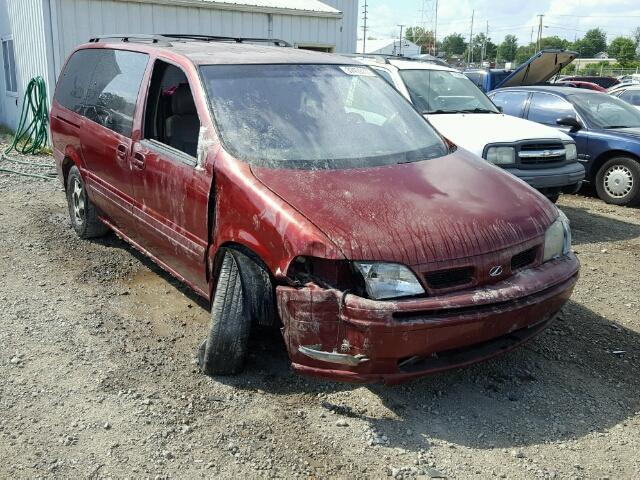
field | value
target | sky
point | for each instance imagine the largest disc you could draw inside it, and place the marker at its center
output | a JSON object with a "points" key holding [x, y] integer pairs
{"points": [[564, 18]]}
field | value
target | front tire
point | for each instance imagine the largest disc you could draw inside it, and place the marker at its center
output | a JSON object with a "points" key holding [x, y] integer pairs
{"points": [[82, 212], [618, 181], [224, 351]]}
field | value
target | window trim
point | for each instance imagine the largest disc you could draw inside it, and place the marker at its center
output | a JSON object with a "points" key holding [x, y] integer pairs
{"points": [[10, 93], [575, 110]]}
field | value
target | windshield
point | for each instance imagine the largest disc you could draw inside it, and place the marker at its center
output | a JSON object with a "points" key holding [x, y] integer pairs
{"points": [[316, 117], [605, 111], [442, 91]]}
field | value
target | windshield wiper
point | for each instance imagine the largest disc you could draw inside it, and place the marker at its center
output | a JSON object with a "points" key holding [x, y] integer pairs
{"points": [[617, 126], [429, 112], [477, 110]]}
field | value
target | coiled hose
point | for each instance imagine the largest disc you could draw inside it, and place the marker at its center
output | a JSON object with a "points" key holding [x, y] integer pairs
{"points": [[32, 137]]}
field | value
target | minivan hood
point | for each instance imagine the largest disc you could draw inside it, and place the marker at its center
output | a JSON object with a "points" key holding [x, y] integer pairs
{"points": [[441, 209], [474, 131], [539, 68]]}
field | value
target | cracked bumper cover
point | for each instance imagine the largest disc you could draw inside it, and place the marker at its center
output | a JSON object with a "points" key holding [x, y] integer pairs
{"points": [[405, 339]]}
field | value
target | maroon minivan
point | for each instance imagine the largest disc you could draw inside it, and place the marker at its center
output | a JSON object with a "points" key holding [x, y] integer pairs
{"points": [[298, 189]]}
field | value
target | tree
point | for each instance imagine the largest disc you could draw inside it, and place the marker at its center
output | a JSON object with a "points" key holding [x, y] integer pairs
{"points": [[453, 44], [636, 36], [482, 50], [508, 48], [623, 50], [523, 53], [420, 36], [554, 42], [594, 42]]}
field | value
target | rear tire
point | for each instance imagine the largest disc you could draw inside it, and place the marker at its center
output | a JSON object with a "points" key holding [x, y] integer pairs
{"points": [[618, 181], [225, 349], [82, 212]]}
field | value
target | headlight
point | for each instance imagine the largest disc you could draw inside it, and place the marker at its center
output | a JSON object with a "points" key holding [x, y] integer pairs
{"points": [[388, 280], [501, 155], [557, 240], [571, 151]]}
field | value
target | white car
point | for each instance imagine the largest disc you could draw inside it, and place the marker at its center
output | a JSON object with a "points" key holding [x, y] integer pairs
{"points": [[543, 157], [630, 93]]}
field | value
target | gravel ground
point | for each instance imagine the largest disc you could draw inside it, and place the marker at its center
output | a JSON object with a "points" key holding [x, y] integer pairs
{"points": [[98, 375]]}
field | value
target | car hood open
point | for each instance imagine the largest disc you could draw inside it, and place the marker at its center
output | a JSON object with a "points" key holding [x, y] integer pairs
{"points": [[447, 208], [474, 131], [539, 68]]}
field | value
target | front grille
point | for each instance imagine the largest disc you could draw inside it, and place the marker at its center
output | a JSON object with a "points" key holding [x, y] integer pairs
{"points": [[547, 152], [449, 278], [523, 259]]}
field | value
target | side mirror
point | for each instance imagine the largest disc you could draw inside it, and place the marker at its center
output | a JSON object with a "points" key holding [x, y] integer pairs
{"points": [[571, 122]]}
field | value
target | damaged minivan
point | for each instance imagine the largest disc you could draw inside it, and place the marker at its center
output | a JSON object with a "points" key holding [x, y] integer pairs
{"points": [[300, 190]]}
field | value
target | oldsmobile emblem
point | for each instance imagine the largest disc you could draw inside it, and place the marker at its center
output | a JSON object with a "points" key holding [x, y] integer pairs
{"points": [[496, 271]]}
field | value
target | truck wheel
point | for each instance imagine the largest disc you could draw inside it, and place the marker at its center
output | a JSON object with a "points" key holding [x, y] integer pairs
{"points": [[225, 349], [82, 212], [618, 181]]}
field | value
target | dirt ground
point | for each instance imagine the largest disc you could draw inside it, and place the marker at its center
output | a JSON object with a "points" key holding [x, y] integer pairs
{"points": [[98, 375]]}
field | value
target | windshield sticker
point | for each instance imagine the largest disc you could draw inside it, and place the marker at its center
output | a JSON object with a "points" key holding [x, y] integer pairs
{"points": [[357, 71]]}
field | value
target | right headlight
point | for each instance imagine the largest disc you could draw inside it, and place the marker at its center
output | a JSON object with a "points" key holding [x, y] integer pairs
{"points": [[501, 155], [388, 280], [557, 239], [571, 152]]}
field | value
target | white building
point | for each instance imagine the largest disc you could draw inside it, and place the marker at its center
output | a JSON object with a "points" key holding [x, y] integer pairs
{"points": [[37, 35], [389, 46]]}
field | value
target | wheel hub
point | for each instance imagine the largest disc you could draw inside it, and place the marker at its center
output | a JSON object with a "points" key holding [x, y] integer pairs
{"points": [[77, 196], [618, 181]]}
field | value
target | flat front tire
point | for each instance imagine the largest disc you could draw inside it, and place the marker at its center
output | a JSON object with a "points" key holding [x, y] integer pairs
{"points": [[225, 349], [618, 181], [82, 212]]}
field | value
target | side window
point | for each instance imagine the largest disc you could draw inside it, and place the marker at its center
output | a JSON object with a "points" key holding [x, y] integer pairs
{"points": [[384, 74], [171, 117], [74, 80], [512, 103], [9, 62], [631, 96], [549, 108], [113, 92]]}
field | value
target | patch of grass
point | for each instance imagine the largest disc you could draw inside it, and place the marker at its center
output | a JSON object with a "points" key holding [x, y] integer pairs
{"points": [[5, 134]]}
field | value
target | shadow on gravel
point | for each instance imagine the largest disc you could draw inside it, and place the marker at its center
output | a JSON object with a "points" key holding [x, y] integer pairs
{"points": [[589, 227]]}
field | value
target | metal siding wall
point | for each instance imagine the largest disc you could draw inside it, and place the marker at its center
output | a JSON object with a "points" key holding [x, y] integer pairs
{"points": [[347, 39], [27, 26]]}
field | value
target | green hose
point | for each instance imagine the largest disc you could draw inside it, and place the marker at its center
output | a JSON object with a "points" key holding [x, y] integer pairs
{"points": [[31, 138]]}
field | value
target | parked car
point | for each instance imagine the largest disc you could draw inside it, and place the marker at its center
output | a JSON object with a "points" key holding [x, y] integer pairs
{"points": [[543, 157], [629, 93], [578, 84], [538, 69], [299, 189], [605, 128], [604, 82]]}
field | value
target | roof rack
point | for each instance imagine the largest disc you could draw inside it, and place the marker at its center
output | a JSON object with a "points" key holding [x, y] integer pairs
{"points": [[166, 38]]}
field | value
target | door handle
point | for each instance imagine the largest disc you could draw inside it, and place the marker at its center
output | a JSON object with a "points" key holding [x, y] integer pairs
{"points": [[138, 160], [121, 151]]}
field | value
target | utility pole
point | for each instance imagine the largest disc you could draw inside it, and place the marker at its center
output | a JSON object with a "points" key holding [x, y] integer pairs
{"points": [[364, 27], [435, 32], [470, 55], [401, 27], [484, 45], [539, 33]]}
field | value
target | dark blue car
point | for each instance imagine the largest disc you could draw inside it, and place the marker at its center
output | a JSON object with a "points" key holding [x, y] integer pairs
{"points": [[605, 128]]}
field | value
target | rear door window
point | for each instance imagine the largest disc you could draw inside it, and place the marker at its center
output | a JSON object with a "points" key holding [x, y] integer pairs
{"points": [[548, 109], [113, 92], [512, 103]]}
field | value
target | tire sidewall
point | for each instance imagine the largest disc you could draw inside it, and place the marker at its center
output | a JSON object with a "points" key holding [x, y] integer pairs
{"points": [[74, 174], [633, 197]]}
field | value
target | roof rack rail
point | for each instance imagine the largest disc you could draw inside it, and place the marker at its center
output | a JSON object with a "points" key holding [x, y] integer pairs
{"points": [[166, 38], [216, 38]]}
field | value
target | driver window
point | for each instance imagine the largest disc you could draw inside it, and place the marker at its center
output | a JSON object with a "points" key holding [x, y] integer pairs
{"points": [[548, 109], [171, 117]]}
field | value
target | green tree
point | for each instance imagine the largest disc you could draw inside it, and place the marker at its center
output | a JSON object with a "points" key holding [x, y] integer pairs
{"points": [[420, 36], [453, 44], [623, 50], [554, 42], [594, 42], [508, 48], [482, 50], [636, 36]]}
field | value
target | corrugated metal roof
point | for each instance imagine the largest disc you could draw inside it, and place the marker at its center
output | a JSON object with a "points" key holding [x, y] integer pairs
{"points": [[291, 7]]}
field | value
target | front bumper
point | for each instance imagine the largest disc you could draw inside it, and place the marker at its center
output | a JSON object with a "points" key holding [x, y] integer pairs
{"points": [[556, 177], [399, 340]]}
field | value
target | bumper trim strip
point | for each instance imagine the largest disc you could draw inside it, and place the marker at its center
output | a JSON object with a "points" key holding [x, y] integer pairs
{"points": [[314, 352]]}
